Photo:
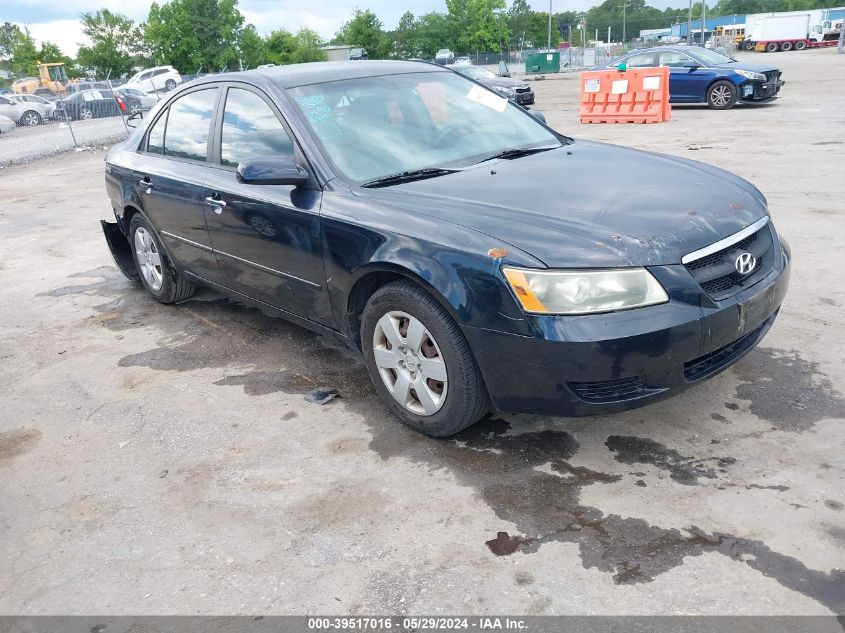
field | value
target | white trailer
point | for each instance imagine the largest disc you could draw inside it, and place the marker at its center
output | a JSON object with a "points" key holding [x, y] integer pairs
{"points": [[786, 30]]}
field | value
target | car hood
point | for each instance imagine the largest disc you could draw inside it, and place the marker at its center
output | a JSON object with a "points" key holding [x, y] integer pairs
{"points": [[755, 68], [506, 82], [589, 204]]}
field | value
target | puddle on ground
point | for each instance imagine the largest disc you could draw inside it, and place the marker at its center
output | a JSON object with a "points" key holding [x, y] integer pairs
{"points": [[684, 470], [786, 390]]}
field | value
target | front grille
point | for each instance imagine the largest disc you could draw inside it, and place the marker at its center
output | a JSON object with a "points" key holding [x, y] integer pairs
{"points": [[714, 362], [523, 89], [717, 275], [609, 391]]}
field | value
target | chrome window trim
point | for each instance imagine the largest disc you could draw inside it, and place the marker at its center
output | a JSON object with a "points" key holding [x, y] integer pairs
{"points": [[715, 247]]}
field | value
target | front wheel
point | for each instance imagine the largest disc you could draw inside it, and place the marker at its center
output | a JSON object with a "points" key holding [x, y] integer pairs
{"points": [[157, 273], [420, 362], [85, 114], [31, 117], [170, 84], [721, 95]]}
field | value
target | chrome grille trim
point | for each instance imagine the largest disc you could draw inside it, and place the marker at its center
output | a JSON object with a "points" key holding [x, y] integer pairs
{"points": [[715, 247]]}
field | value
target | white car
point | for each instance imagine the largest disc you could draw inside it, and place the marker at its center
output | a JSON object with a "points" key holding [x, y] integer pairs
{"points": [[36, 109], [6, 125], [463, 60], [154, 79], [11, 109]]}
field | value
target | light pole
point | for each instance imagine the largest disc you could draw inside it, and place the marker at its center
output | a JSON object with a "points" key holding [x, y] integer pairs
{"points": [[703, 20], [689, 24], [549, 41]]}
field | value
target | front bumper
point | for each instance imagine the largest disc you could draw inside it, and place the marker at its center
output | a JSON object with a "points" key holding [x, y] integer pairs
{"points": [[759, 91], [525, 98], [607, 363]]}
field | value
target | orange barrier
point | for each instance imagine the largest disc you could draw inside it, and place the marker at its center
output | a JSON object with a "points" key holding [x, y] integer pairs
{"points": [[636, 95]]}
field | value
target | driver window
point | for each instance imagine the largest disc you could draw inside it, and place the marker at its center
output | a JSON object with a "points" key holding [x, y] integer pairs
{"points": [[640, 60], [675, 60]]}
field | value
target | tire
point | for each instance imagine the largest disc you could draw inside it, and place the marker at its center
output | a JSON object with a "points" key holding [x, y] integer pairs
{"points": [[31, 118], [786, 46], [721, 95], [170, 84], [442, 351], [800, 45], [85, 114], [156, 271], [748, 45], [135, 108], [771, 47]]}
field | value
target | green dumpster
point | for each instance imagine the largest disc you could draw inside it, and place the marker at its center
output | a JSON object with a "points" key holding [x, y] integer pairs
{"points": [[536, 63]]}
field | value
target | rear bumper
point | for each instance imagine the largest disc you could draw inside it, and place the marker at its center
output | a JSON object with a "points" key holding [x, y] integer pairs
{"points": [[608, 363]]}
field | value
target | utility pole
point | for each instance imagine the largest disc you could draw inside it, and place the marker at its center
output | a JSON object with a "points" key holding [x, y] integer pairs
{"points": [[624, 6], [703, 20], [689, 24], [549, 41]]}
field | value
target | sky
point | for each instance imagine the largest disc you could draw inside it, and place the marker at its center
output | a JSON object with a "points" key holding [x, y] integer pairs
{"points": [[57, 20]]}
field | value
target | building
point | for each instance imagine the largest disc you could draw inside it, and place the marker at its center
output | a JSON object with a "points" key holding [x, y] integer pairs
{"points": [[337, 53], [651, 35], [680, 29]]}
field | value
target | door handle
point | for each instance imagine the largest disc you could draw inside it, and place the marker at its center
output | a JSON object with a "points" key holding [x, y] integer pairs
{"points": [[146, 184], [216, 203]]}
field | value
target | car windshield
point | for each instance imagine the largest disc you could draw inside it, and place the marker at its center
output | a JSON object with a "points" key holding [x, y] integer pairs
{"points": [[711, 57], [476, 72], [374, 127]]}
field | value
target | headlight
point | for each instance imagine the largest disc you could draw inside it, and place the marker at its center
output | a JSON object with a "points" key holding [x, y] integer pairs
{"points": [[584, 291], [505, 91], [750, 75]]}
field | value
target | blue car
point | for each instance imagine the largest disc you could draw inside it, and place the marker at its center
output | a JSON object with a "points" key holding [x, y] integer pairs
{"points": [[699, 75]]}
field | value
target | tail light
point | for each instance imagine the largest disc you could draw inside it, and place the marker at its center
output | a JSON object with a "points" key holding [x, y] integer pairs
{"points": [[120, 103]]}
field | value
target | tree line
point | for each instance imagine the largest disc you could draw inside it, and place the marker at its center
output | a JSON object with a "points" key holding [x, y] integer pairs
{"points": [[211, 35]]}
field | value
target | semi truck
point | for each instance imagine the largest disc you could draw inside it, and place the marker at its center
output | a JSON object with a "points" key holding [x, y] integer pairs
{"points": [[790, 30]]}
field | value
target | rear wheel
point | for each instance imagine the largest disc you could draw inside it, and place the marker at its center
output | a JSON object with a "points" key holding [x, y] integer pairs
{"points": [[170, 84], [31, 117], [420, 362], [771, 47], [135, 108], [721, 95], [85, 114], [157, 273], [786, 46], [800, 45]]}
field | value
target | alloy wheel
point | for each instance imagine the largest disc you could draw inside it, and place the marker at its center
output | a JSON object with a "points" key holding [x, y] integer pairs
{"points": [[148, 258], [86, 114], [31, 118], [720, 95], [410, 363]]}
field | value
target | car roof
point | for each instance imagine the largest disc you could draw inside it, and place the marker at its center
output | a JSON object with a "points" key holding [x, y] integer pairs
{"points": [[293, 75]]}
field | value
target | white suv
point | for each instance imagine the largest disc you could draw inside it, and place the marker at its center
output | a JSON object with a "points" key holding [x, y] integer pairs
{"points": [[154, 79]]}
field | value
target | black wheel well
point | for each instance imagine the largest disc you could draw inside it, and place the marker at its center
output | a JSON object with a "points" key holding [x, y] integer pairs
{"points": [[128, 213], [364, 288]]}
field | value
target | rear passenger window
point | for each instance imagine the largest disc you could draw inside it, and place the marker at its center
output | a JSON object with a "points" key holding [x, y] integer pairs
{"points": [[250, 128], [186, 135], [155, 137]]}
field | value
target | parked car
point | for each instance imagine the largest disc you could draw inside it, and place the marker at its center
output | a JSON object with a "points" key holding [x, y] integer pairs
{"points": [[394, 219], [463, 60], [699, 75], [513, 89], [6, 125], [11, 109], [81, 86], [92, 104], [444, 56], [154, 79], [36, 109], [137, 100], [358, 53]]}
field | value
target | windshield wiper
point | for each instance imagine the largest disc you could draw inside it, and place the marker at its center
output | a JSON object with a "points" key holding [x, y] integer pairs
{"points": [[408, 176], [519, 152]]}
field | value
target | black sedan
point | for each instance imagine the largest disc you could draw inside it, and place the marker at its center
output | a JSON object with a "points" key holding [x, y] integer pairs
{"points": [[94, 104], [477, 258], [513, 89]]}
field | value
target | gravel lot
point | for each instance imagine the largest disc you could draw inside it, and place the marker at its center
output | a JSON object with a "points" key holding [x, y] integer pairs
{"points": [[159, 459]]}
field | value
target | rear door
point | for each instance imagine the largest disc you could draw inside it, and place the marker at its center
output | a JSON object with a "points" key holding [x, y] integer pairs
{"points": [[266, 237], [169, 176]]}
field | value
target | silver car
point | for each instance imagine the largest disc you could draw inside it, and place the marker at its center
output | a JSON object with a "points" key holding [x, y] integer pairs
{"points": [[147, 101], [11, 109], [6, 125], [36, 109]]}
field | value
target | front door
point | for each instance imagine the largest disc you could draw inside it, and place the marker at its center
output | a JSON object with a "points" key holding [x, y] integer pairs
{"points": [[266, 237], [688, 79]]}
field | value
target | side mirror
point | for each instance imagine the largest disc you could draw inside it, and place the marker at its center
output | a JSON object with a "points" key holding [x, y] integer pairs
{"points": [[692, 65], [538, 115], [274, 169]]}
